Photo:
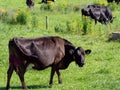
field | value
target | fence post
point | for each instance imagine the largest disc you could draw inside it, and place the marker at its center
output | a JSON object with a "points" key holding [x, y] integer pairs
{"points": [[46, 22]]}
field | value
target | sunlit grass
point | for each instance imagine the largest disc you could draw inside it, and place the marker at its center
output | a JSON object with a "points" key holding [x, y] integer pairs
{"points": [[101, 71]]}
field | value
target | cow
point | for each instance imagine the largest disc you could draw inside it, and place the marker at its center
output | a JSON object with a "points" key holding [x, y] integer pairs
{"points": [[99, 13], [30, 3], [42, 52]]}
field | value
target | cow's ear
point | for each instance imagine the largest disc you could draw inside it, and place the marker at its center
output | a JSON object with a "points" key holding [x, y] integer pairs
{"points": [[88, 51]]}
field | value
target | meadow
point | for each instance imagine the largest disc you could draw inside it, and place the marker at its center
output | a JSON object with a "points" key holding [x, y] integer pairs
{"points": [[102, 68]]}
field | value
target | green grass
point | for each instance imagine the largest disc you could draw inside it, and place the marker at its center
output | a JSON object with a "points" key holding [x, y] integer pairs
{"points": [[102, 69]]}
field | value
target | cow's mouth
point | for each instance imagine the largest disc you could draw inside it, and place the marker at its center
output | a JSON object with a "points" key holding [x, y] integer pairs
{"points": [[81, 65]]}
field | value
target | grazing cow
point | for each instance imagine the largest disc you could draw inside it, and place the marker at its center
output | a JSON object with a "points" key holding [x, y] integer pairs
{"points": [[99, 13], [43, 52], [30, 3]]}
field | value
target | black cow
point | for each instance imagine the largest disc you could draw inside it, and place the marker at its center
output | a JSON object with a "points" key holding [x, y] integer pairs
{"points": [[43, 52], [99, 13], [30, 3], [105, 13]]}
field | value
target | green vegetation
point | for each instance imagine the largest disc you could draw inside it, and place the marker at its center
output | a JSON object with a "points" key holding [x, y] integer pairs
{"points": [[102, 69]]}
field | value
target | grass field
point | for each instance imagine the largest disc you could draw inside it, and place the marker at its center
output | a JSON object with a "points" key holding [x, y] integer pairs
{"points": [[102, 69]]}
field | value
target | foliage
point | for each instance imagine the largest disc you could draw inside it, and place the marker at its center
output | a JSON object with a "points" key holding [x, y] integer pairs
{"points": [[34, 21], [60, 28], [3, 14], [48, 7], [100, 2], [114, 6], [62, 7], [21, 17]]}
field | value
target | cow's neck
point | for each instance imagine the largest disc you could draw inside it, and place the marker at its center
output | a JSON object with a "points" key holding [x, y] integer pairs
{"points": [[65, 62]]}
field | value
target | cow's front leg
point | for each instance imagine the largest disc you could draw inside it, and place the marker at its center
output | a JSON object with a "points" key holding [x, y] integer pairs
{"points": [[51, 76], [59, 77]]}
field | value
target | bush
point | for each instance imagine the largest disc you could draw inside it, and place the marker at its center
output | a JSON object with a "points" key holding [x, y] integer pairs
{"points": [[3, 14], [113, 6], [34, 21], [48, 7], [100, 2], [62, 7], [59, 28], [12, 18], [87, 24], [21, 17]]}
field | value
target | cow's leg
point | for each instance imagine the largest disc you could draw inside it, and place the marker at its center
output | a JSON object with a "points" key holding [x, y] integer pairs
{"points": [[21, 76], [59, 77], [95, 21], [9, 74], [51, 76]]}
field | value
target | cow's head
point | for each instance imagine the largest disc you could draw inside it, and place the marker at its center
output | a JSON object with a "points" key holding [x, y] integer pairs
{"points": [[30, 3], [79, 55]]}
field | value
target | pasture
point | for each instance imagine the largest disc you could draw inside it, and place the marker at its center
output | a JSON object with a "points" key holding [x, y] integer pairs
{"points": [[102, 69]]}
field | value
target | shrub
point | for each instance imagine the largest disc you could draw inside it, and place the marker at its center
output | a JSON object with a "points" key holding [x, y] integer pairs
{"points": [[71, 26], [100, 2], [3, 14], [86, 25], [48, 7], [34, 21], [113, 6], [21, 17], [59, 28], [12, 18]]}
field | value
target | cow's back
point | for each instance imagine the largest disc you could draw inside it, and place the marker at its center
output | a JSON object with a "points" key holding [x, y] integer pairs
{"points": [[42, 52]]}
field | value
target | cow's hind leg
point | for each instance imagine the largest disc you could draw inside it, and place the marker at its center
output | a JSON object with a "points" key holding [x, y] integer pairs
{"points": [[21, 76], [51, 76], [59, 77], [9, 74]]}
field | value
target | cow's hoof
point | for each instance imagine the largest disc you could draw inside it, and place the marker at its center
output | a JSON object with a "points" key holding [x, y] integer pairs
{"points": [[60, 82], [50, 85]]}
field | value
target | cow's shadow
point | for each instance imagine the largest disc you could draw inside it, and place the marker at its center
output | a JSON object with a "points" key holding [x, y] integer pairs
{"points": [[29, 86]]}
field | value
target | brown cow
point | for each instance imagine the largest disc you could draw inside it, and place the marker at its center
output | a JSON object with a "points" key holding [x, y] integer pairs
{"points": [[43, 52]]}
